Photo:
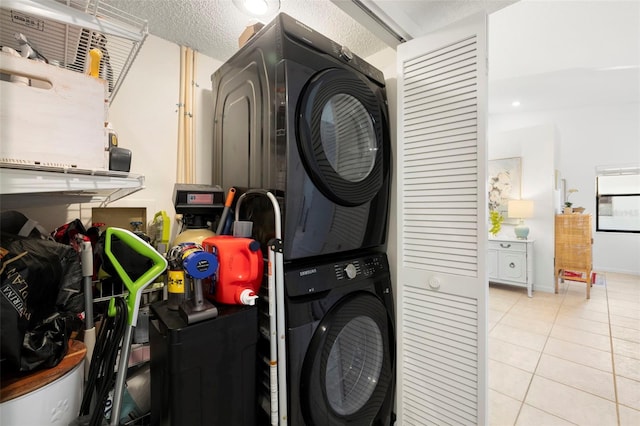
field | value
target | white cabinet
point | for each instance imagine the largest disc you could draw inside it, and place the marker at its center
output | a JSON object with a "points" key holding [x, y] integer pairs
{"points": [[510, 261]]}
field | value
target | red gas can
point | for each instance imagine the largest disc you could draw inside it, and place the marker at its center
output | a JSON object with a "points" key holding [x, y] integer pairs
{"points": [[240, 267]]}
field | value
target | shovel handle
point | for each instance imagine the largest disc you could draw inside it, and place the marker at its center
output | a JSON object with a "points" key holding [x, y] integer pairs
{"points": [[135, 287]]}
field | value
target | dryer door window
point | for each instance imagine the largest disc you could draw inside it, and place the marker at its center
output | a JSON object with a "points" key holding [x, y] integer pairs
{"points": [[348, 137], [347, 371], [340, 133]]}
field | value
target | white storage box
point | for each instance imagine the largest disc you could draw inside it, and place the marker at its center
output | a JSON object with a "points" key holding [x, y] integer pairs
{"points": [[60, 123]]}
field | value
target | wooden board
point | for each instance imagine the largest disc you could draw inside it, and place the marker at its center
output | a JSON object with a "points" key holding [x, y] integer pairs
{"points": [[18, 384]]}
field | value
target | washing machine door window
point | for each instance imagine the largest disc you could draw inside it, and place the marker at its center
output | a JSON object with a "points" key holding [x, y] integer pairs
{"points": [[348, 137], [347, 370], [340, 135], [354, 366]]}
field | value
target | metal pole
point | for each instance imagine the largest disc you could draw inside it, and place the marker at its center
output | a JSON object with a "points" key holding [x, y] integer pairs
{"points": [[123, 366]]}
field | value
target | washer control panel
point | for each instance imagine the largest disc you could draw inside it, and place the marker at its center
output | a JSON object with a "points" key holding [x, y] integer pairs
{"points": [[364, 267], [321, 277]]}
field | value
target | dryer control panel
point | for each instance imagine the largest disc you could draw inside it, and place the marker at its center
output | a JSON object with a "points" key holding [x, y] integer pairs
{"points": [[301, 32]]}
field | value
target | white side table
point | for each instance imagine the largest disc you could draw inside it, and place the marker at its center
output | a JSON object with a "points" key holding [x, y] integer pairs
{"points": [[510, 261]]}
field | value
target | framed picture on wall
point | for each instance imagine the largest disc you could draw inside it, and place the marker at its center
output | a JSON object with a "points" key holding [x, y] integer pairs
{"points": [[505, 177]]}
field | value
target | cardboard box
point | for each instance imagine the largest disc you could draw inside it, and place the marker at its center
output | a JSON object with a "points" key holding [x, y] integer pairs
{"points": [[60, 122], [249, 32], [120, 217]]}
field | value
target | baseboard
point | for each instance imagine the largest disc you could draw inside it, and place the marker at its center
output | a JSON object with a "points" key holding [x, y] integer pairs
{"points": [[616, 271]]}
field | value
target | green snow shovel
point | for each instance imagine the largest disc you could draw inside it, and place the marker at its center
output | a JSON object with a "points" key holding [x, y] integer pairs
{"points": [[133, 301]]}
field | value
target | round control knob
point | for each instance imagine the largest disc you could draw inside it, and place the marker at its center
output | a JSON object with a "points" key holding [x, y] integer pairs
{"points": [[346, 54], [351, 271]]}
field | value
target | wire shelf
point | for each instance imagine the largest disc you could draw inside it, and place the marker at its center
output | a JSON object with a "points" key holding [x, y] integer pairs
{"points": [[62, 32]]}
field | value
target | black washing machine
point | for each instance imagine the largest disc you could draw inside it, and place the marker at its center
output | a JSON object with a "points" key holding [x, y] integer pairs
{"points": [[303, 117], [340, 342]]}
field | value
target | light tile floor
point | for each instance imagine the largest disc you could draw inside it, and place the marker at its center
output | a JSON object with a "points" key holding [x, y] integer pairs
{"points": [[560, 359]]}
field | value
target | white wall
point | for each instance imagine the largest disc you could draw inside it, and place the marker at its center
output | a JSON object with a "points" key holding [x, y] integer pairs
{"points": [[145, 115], [536, 147], [604, 135]]}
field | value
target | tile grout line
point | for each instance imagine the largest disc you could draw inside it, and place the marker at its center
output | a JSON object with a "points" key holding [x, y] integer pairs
{"points": [[613, 363], [566, 301], [610, 338], [524, 398]]}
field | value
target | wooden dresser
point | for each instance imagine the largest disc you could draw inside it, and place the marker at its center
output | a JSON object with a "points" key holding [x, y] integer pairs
{"points": [[573, 248]]}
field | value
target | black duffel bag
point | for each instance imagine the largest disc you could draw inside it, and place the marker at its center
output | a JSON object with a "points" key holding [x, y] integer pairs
{"points": [[41, 285]]}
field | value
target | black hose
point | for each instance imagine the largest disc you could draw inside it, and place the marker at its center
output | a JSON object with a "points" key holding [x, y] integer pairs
{"points": [[102, 373]]}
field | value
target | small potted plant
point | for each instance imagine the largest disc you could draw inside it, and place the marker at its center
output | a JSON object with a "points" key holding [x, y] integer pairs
{"points": [[496, 222], [567, 204]]}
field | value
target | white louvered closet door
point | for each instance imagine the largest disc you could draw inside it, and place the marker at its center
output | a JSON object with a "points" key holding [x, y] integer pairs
{"points": [[442, 284]]}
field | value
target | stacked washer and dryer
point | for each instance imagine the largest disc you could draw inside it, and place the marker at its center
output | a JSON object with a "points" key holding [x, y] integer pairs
{"points": [[302, 117]]}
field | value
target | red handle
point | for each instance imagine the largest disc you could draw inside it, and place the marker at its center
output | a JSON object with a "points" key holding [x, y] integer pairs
{"points": [[256, 267]]}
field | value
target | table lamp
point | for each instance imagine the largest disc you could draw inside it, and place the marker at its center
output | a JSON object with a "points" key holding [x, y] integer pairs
{"points": [[520, 209]]}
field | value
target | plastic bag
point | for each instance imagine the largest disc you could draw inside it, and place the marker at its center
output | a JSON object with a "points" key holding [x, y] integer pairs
{"points": [[46, 343], [41, 284]]}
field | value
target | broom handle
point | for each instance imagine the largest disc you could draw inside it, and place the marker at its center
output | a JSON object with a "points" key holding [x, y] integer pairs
{"points": [[118, 390]]}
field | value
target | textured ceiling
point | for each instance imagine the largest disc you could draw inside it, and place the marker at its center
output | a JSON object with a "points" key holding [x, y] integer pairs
{"points": [[212, 27]]}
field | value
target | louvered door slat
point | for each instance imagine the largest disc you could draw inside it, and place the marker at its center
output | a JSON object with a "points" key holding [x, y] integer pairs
{"points": [[447, 312], [435, 57], [441, 203], [456, 94], [445, 244], [437, 181], [448, 252], [441, 228], [469, 373], [417, 258], [443, 233], [444, 213], [450, 383], [437, 354], [439, 112], [434, 142], [454, 99], [438, 407], [441, 156], [458, 54], [453, 120]]}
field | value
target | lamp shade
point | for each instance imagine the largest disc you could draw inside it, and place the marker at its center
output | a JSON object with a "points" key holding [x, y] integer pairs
{"points": [[520, 209]]}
